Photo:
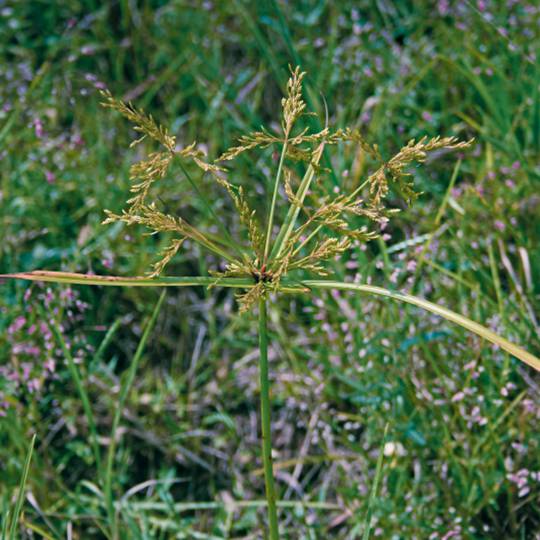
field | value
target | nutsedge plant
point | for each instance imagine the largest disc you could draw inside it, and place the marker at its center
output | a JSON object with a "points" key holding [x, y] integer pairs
{"points": [[315, 225]]}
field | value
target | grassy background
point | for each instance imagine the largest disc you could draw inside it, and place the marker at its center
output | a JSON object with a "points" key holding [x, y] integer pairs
{"points": [[462, 446]]}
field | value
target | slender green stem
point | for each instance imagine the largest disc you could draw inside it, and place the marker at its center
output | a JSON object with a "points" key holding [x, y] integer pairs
{"points": [[438, 217], [358, 190], [203, 240], [290, 220], [274, 200], [265, 422], [306, 241], [227, 238], [124, 392]]}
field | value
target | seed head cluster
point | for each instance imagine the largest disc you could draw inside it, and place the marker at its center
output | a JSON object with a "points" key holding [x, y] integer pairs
{"points": [[317, 225]]}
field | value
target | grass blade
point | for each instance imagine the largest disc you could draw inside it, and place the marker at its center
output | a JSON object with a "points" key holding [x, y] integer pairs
{"points": [[20, 495], [447, 314], [373, 494], [472, 326], [105, 342]]}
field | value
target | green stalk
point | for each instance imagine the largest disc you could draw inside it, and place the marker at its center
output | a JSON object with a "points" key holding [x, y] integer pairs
{"points": [[124, 391], [438, 217], [306, 241], [197, 236], [274, 200], [265, 422], [292, 215]]}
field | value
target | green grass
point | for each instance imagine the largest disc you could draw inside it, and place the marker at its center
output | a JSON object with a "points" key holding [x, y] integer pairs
{"points": [[342, 365]]}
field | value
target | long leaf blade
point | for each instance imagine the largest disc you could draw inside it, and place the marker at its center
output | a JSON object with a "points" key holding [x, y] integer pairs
{"points": [[118, 281], [446, 313]]}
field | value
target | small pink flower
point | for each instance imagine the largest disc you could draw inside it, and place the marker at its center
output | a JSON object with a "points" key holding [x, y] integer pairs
{"points": [[50, 177], [17, 324], [33, 385], [50, 365], [38, 128], [510, 183]]}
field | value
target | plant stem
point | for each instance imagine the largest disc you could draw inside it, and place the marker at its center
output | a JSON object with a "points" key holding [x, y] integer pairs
{"points": [[265, 422], [126, 385], [290, 220], [274, 199], [373, 494], [306, 241]]}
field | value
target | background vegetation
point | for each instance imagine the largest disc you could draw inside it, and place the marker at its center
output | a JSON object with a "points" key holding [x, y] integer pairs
{"points": [[462, 456]]}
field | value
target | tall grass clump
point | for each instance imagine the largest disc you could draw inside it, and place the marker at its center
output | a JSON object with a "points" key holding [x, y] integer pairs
{"points": [[287, 250]]}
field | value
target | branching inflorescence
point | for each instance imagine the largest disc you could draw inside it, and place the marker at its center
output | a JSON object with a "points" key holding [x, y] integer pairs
{"points": [[318, 226]]}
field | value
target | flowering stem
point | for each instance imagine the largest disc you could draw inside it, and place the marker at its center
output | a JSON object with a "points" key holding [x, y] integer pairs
{"points": [[265, 422], [274, 200], [290, 220], [306, 241]]}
